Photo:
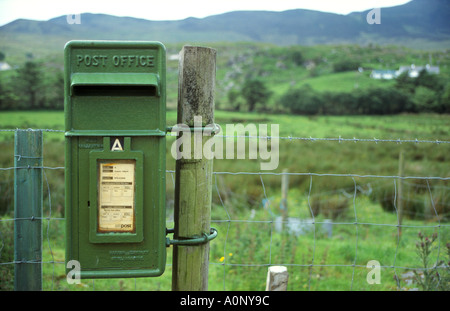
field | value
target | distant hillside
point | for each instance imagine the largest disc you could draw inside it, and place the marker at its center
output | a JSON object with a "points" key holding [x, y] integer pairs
{"points": [[423, 24]]}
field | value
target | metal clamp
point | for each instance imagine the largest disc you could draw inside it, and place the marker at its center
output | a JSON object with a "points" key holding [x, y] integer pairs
{"points": [[215, 129], [192, 241]]}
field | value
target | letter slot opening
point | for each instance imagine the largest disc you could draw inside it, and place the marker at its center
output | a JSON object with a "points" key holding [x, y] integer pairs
{"points": [[114, 90], [124, 84]]}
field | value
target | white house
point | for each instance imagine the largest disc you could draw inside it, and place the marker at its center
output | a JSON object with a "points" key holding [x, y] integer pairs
{"points": [[413, 72], [4, 66], [383, 74]]}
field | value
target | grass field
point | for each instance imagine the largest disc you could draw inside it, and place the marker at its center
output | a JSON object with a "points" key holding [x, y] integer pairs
{"points": [[248, 241]]}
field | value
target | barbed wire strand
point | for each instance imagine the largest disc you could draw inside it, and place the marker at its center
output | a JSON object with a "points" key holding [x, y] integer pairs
{"points": [[294, 138], [336, 223], [31, 129], [334, 175], [330, 175], [330, 265], [31, 167], [340, 139]]}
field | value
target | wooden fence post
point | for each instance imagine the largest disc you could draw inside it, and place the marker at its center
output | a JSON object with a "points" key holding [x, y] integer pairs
{"points": [[28, 210], [193, 177], [277, 278]]}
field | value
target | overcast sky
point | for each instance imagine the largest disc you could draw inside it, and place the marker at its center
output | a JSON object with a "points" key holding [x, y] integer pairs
{"points": [[173, 9]]}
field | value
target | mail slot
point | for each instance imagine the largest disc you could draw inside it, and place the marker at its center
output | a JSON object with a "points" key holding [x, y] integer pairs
{"points": [[115, 122]]}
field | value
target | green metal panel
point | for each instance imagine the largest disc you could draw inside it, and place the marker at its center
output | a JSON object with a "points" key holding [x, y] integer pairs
{"points": [[115, 91]]}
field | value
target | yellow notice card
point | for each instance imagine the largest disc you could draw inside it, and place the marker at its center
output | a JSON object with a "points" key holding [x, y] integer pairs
{"points": [[116, 197]]}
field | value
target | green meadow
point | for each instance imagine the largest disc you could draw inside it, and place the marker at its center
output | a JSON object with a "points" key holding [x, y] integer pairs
{"points": [[246, 206], [352, 184]]}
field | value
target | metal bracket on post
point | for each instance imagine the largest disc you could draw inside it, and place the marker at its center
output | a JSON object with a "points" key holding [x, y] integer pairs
{"points": [[192, 241], [216, 129]]}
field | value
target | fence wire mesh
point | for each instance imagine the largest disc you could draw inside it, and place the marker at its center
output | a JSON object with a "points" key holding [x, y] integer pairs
{"points": [[325, 236]]}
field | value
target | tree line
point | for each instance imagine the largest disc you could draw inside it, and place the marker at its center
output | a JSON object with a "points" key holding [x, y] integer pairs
{"points": [[33, 87], [428, 93]]}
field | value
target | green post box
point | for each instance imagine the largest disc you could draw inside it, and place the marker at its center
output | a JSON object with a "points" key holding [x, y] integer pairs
{"points": [[115, 127]]}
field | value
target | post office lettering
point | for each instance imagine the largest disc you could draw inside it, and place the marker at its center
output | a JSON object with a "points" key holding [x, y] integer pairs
{"points": [[92, 60], [116, 60]]}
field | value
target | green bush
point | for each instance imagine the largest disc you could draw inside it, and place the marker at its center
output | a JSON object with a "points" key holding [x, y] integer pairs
{"points": [[374, 101], [417, 204], [414, 203], [256, 94], [381, 101], [330, 206], [425, 100], [430, 279], [439, 207], [303, 100], [6, 197], [346, 65]]}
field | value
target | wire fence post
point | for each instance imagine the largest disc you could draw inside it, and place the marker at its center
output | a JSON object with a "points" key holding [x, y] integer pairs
{"points": [[401, 169], [284, 197], [193, 177], [28, 203]]}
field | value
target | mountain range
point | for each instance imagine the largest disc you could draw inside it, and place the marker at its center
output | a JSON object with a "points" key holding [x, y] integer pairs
{"points": [[422, 24]]}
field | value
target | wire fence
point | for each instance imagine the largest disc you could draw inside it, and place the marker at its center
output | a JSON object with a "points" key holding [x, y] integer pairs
{"points": [[326, 239], [357, 223]]}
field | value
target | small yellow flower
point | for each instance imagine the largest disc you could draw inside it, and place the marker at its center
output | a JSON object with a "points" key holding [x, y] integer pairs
{"points": [[222, 259], [230, 254]]}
